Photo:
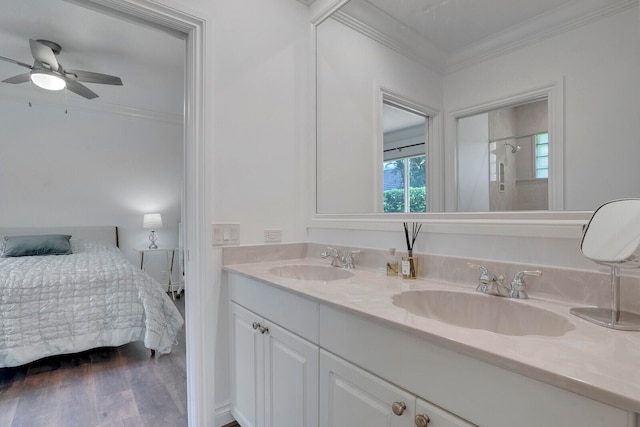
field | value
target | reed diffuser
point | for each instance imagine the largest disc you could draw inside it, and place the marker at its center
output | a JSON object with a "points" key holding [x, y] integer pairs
{"points": [[409, 263]]}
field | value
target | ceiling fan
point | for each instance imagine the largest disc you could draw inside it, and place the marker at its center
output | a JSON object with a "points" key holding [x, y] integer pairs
{"points": [[48, 73]]}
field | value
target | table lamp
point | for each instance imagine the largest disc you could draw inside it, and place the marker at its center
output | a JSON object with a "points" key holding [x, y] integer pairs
{"points": [[152, 221]]}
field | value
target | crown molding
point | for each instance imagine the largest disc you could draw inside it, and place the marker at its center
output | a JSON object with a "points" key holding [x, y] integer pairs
{"points": [[402, 40], [367, 20], [551, 24]]}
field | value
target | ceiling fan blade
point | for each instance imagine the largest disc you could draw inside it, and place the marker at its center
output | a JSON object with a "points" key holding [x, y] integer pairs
{"points": [[4, 58], [20, 78], [80, 89], [90, 77], [44, 54]]}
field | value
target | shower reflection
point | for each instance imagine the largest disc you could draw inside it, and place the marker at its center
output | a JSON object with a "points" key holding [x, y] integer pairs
{"points": [[503, 159]]}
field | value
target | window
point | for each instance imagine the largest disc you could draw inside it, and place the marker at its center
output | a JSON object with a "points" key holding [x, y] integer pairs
{"points": [[405, 187], [542, 155]]}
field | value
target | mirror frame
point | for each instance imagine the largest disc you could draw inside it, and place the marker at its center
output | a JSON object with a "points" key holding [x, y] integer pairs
{"points": [[557, 224]]}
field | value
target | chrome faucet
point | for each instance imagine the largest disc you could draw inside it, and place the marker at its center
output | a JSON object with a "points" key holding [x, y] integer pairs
{"points": [[339, 260], [491, 284], [518, 287]]}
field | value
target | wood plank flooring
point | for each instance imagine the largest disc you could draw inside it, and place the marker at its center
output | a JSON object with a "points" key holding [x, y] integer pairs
{"points": [[114, 387]]}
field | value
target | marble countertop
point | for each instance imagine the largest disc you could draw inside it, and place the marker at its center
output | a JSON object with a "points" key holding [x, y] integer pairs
{"points": [[592, 361]]}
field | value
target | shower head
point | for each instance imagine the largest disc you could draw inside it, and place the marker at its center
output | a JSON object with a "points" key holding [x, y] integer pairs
{"points": [[514, 149]]}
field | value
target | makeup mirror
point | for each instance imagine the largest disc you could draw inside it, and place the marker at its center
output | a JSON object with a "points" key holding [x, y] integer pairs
{"points": [[612, 238]]}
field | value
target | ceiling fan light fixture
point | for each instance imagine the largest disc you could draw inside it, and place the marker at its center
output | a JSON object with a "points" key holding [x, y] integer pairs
{"points": [[47, 80]]}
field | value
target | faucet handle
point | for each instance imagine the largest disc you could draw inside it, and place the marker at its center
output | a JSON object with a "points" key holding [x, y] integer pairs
{"points": [[489, 282], [518, 286], [333, 253], [482, 268], [329, 252], [485, 275], [348, 258]]}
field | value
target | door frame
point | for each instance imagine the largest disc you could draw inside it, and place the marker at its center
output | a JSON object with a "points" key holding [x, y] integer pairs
{"points": [[197, 206]]}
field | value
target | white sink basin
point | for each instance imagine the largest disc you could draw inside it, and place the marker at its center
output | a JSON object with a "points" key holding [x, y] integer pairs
{"points": [[479, 311], [311, 272]]}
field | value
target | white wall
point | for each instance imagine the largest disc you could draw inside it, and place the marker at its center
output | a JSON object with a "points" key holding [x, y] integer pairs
{"points": [[473, 163], [260, 54], [259, 57], [96, 165], [351, 69]]}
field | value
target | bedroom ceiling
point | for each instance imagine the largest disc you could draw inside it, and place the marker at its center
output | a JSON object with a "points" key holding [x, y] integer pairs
{"points": [[149, 61]]}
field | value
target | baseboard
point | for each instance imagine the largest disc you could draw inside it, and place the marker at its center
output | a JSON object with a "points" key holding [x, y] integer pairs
{"points": [[223, 414]]}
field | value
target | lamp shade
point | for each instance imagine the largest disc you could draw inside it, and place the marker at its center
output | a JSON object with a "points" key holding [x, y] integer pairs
{"points": [[47, 80], [152, 221]]}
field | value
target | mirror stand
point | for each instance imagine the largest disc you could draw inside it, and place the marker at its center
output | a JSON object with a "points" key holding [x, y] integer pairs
{"points": [[612, 318]]}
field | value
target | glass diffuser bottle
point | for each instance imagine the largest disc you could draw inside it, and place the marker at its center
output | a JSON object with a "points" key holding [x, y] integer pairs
{"points": [[392, 263], [409, 263]]}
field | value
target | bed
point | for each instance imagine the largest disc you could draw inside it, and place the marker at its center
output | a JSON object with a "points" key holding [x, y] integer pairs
{"points": [[93, 297]]}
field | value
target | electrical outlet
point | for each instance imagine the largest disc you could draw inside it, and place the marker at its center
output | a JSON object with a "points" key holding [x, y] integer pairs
{"points": [[273, 236], [164, 276]]}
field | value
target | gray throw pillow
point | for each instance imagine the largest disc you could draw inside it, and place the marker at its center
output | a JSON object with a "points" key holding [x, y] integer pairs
{"points": [[42, 244]]}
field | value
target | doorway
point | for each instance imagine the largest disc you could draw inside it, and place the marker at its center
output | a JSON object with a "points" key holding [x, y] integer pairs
{"points": [[404, 159], [197, 205]]}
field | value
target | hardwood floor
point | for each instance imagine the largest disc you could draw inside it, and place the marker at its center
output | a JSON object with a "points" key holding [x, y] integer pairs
{"points": [[115, 387]]}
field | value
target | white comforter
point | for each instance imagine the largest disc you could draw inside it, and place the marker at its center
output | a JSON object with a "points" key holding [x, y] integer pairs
{"points": [[71, 303]]}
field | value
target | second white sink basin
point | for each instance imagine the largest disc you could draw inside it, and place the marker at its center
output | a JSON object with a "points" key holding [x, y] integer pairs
{"points": [[311, 272], [479, 311]]}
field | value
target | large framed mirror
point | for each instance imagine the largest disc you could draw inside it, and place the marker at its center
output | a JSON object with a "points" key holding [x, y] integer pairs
{"points": [[530, 109]]}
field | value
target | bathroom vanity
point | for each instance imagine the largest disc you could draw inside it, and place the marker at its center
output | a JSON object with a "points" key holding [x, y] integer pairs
{"points": [[348, 352]]}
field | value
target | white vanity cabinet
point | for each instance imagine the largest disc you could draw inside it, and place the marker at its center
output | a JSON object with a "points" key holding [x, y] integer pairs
{"points": [[350, 396], [463, 389], [297, 361], [274, 372]]}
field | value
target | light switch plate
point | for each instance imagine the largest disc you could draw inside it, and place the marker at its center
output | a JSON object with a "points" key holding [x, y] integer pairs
{"points": [[225, 233]]}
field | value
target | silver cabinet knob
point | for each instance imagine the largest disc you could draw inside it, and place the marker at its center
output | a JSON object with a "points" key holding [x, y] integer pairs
{"points": [[262, 329], [398, 408], [422, 420]]}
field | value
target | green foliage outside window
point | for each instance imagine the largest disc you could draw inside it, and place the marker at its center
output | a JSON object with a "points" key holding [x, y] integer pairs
{"points": [[394, 200]]}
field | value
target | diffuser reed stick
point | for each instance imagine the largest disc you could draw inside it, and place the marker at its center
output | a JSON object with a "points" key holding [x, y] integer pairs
{"points": [[409, 262], [415, 230]]}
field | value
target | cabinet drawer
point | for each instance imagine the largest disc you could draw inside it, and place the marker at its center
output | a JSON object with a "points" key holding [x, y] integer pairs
{"points": [[291, 311], [350, 396]]}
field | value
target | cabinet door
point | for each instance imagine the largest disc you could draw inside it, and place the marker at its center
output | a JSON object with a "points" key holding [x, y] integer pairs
{"points": [[247, 368], [291, 380], [351, 397], [438, 417]]}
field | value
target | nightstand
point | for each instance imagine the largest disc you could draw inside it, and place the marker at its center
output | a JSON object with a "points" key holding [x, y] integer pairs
{"points": [[170, 254]]}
